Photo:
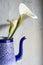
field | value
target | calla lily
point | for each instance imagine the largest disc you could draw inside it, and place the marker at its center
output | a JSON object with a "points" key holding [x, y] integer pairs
{"points": [[13, 25], [24, 10], [25, 13]]}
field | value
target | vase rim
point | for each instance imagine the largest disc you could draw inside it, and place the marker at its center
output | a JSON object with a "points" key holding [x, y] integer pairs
{"points": [[2, 40]]}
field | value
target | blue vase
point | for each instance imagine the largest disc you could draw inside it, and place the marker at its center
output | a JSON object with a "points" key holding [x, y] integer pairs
{"points": [[7, 56]]}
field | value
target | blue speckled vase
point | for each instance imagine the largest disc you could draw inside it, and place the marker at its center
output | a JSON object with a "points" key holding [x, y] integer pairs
{"points": [[7, 56], [7, 52]]}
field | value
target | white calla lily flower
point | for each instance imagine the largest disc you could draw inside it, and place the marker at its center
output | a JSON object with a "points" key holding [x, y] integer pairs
{"points": [[23, 9]]}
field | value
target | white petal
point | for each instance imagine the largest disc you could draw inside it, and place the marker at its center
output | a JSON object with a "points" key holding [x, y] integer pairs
{"points": [[23, 9]]}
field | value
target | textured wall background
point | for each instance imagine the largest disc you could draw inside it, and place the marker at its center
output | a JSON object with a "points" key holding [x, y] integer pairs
{"points": [[32, 29]]}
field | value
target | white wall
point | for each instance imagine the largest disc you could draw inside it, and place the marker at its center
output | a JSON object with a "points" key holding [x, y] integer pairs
{"points": [[32, 47]]}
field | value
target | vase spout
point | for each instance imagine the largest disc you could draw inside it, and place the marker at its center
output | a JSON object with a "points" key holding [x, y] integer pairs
{"points": [[19, 56]]}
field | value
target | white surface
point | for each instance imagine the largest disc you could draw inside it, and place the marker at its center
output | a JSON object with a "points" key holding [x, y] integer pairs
{"points": [[32, 47]]}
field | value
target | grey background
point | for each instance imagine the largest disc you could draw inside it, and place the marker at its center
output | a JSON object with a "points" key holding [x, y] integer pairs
{"points": [[32, 29]]}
